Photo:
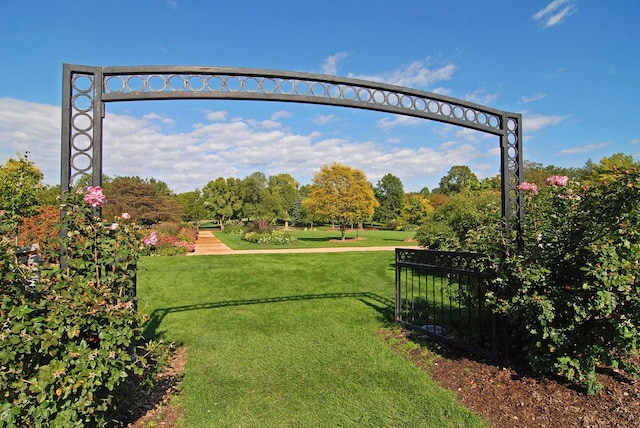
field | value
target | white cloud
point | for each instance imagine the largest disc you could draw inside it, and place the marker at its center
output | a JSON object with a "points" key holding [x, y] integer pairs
{"points": [[555, 12], [34, 128], [536, 97], [535, 122], [162, 119], [222, 146], [281, 114], [323, 119], [271, 124], [635, 141], [330, 65], [444, 130], [555, 74], [585, 148], [417, 74], [216, 116], [386, 124], [441, 90], [481, 96], [468, 134]]}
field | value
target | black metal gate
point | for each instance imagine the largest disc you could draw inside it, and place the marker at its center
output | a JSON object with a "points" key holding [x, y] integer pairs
{"points": [[443, 295]]}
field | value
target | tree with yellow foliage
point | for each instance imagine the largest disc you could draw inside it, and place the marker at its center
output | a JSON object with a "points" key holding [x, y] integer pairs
{"points": [[342, 195]]}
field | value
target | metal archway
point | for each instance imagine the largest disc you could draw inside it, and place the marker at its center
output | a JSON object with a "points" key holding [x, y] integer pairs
{"points": [[86, 89]]}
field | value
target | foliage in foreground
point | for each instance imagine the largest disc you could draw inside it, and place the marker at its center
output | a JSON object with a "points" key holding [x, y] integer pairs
{"points": [[572, 293], [71, 340]]}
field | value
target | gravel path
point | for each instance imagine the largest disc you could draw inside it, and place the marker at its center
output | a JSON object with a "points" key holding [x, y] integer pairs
{"points": [[207, 243]]}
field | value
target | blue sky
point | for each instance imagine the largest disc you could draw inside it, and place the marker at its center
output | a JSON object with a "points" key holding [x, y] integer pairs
{"points": [[571, 67]]}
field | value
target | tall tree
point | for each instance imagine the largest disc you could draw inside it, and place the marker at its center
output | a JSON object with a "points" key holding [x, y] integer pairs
{"points": [[415, 208], [459, 178], [603, 169], [48, 195], [222, 199], [537, 173], [342, 195], [299, 213], [19, 182], [147, 201], [284, 191], [192, 206], [258, 202], [389, 192]]}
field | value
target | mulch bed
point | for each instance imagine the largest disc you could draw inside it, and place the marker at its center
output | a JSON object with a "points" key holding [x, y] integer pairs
{"points": [[514, 397]]}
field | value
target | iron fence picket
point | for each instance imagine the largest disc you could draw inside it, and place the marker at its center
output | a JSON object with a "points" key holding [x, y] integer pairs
{"points": [[451, 307]]}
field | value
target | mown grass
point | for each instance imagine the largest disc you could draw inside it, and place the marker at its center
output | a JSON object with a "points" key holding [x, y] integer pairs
{"points": [[321, 238], [290, 340]]}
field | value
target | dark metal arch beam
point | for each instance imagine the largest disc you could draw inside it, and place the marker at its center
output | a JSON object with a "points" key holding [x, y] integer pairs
{"points": [[164, 83], [86, 89]]}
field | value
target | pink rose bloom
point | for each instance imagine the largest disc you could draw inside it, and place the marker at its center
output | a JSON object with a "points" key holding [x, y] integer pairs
{"points": [[126, 216], [152, 239], [528, 187], [557, 180], [113, 226], [94, 197]]}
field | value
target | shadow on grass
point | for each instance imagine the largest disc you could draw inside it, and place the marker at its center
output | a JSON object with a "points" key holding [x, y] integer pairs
{"points": [[384, 306], [319, 239]]}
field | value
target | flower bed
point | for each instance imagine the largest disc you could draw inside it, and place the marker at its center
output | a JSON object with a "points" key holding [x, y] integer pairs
{"points": [[171, 239]]}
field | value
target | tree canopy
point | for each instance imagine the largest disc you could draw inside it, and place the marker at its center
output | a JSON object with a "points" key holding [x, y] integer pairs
{"points": [[222, 199], [20, 180], [390, 193], [341, 194], [148, 201], [459, 178]]}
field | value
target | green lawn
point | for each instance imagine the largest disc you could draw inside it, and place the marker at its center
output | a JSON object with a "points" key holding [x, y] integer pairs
{"points": [[321, 238], [290, 340]]}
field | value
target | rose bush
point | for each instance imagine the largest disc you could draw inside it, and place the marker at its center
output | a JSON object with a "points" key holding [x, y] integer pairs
{"points": [[571, 291], [171, 239], [71, 344]]}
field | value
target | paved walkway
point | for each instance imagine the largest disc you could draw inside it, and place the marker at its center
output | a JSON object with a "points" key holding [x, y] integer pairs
{"points": [[207, 243]]}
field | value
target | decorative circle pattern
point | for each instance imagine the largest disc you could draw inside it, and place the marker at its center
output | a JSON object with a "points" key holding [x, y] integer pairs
{"points": [[81, 125], [324, 92], [514, 196]]}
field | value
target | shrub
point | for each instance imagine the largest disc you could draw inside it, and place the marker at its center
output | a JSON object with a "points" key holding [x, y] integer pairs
{"points": [[71, 340], [260, 226], [173, 239], [392, 225], [43, 228], [277, 238], [571, 292], [171, 229], [437, 236], [167, 244], [235, 229], [170, 250], [454, 224]]}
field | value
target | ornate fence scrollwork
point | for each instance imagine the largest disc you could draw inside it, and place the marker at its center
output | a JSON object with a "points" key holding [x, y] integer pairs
{"points": [[86, 89]]}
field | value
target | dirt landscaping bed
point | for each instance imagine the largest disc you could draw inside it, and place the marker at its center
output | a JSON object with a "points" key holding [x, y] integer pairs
{"points": [[514, 397]]}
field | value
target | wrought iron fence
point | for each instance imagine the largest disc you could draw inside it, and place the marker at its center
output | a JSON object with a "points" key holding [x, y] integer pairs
{"points": [[443, 295]]}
